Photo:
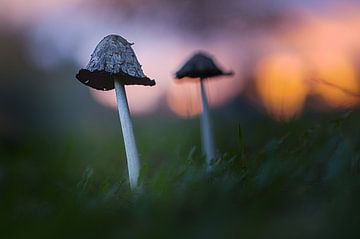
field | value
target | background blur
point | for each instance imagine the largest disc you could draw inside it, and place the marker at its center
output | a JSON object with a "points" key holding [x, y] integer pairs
{"points": [[288, 57], [297, 72]]}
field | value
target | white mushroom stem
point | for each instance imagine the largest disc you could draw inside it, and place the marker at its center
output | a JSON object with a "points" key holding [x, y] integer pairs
{"points": [[128, 134], [206, 128]]}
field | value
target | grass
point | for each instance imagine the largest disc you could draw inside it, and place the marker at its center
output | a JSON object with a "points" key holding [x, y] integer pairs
{"points": [[294, 180]]}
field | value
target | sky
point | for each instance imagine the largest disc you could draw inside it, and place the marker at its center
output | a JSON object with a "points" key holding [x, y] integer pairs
{"points": [[287, 51]]}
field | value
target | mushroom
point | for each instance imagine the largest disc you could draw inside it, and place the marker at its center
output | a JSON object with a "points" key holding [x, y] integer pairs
{"points": [[203, 67], [113, 64]]}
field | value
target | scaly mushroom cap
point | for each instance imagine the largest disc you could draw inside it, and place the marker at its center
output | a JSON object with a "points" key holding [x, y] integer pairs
{"points": [[112, 59], [200, 66]]}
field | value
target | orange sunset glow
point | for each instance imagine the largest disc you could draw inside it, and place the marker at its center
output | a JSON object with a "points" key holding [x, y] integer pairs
{"points": [[319, 61], [322, 63], [280, 85]]}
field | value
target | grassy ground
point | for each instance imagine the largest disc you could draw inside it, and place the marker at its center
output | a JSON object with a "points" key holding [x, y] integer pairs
{"points": [[295, 180]]}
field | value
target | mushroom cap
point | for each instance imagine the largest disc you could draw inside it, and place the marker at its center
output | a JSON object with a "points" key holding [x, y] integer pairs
{"points": [[200, 66], [113, 59]]}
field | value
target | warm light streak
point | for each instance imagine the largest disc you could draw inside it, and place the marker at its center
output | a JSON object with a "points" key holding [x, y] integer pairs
{"points": [[336, 81]]}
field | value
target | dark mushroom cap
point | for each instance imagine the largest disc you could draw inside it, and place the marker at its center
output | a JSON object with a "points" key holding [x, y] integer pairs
{"points": [[200, 66], [113, 59]]}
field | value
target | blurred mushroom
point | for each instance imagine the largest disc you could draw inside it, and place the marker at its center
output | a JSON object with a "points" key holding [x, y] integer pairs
{"points": [[203, 67], [113, 64]]}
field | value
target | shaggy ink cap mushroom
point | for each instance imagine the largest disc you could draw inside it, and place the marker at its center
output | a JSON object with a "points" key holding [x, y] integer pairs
{"points": [[113, 64], [201, 65], [113, 58]]}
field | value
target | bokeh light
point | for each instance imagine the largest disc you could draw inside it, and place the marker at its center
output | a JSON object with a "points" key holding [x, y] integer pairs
{"points": [[280, 82]]}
